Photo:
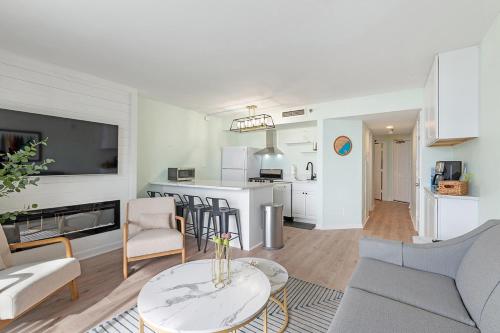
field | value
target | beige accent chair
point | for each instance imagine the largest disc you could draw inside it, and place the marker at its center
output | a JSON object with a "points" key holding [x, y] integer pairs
{"points": [[24, 286], [150, 231]]}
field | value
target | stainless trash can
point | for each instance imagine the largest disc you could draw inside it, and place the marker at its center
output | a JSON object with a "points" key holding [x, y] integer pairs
{"points": [[272, 217]]}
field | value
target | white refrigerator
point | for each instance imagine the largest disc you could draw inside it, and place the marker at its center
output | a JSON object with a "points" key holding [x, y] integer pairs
{"points": [[240, 163]]}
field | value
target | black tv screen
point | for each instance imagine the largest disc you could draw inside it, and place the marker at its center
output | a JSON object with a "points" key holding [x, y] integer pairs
{"points": [[77, 146]]}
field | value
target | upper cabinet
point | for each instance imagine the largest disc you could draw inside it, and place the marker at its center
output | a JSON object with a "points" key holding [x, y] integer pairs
{"points": [[451, 98]]}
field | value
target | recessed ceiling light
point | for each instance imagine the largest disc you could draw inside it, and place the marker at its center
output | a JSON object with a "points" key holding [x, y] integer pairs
{"points": [[390, 127]]}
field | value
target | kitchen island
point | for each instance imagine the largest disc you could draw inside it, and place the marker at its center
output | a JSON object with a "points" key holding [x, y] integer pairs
{"points": [[246, 196]]}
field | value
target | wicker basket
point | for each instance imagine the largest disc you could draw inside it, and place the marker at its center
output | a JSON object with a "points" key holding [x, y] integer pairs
{"points": [[453, 187]]}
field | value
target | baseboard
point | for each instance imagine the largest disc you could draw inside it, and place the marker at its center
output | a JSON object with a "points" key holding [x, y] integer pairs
{"points": [[95, 251], [255, 246], [340, 227]]}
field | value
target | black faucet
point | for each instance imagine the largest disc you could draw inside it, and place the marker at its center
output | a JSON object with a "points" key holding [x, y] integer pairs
{"points": [[313, 176]]}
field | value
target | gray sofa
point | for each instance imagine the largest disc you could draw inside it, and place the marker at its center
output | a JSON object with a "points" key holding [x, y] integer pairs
{"points": [[449, 286]]}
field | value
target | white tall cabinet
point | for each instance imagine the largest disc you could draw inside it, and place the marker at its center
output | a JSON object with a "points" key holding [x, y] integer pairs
{"points": [[451, 98]]}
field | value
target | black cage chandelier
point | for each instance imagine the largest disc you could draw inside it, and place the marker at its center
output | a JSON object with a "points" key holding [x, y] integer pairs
{"points": [[253, 122]]}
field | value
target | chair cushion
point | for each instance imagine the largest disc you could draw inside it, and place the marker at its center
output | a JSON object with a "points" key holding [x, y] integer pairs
{"points": [[5, 255], [25, 285], [490, 318], [153, 241], [163, 205], [154, 221], [362, 311], [479, 272], [432, 292]]}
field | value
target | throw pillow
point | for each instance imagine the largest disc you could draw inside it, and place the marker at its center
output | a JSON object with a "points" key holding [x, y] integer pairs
{"points": [[155, 221]]}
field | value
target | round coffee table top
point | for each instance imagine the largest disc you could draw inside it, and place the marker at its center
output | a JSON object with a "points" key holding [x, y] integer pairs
{"points": [[277, 274], [184, 299]]}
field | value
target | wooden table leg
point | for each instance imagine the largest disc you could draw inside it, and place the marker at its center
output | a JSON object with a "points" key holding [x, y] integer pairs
{"points": [[265, 320], [141, 325]]}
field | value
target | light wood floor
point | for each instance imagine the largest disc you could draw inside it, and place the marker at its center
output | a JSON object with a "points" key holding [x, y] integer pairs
{"points": [[324, 257]]}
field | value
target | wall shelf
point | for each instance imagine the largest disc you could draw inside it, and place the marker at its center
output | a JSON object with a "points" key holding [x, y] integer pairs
{"points": [[298, 143]]}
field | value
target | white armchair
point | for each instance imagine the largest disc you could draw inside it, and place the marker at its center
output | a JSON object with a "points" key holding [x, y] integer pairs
{"points": [[150, 231], [22, 287]]}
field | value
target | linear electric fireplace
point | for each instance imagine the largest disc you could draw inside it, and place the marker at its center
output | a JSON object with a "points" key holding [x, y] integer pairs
{"points": [[69, 221]]}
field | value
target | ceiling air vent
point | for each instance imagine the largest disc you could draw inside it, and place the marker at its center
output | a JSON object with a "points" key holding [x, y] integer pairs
{"points": [[294, 113]]}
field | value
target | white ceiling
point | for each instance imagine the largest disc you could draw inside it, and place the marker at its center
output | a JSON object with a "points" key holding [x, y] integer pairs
{"points": [[403, 122], [209, 55]]}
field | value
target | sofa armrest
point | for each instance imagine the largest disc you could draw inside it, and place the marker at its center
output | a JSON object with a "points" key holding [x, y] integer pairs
{"points": [[443, 257], [41, 242], [182, 222], [380, 249]]}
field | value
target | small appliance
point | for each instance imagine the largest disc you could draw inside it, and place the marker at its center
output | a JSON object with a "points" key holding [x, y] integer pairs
{"points": [[447, 170], [181, 174]]}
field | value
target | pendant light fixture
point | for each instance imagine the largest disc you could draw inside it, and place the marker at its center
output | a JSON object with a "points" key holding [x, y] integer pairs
{"points": [[253, 122]]}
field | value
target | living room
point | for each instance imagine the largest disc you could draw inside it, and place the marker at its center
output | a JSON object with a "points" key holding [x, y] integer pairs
{"points": [[129, 134]]}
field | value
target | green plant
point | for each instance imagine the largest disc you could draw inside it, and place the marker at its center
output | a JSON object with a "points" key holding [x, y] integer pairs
{"points": [[17, 173]]}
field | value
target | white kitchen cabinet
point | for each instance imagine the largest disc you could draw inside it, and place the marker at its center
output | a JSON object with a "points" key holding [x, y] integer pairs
{"points": [[449, 216], [431, 215], [304, 200], [299, 204], [451, 98]]}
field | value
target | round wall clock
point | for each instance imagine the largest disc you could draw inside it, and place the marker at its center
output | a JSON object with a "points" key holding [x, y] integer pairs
{"points": [[342, 145]]}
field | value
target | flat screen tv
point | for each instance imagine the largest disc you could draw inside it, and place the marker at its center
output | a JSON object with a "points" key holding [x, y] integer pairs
{"points": [[77, 146]]}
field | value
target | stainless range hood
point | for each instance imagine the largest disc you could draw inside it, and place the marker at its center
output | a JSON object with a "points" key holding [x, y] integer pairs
{"points": [[271, 146]]}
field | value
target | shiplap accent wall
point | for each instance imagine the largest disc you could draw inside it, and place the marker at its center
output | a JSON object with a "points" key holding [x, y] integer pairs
{"points": [[32, 86]]}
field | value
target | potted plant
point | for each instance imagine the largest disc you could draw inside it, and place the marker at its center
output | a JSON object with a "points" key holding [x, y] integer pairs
{"points": [[17, 172]]}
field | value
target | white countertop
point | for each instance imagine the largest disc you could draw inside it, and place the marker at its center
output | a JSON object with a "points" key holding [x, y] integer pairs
{"points": [[214, 184], [459, 197]]}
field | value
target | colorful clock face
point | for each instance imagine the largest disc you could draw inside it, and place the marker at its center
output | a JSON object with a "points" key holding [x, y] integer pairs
{"points": [[342, 145]]}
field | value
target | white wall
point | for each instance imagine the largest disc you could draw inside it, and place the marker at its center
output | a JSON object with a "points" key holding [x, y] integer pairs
{"points": [[341, 187], [368, 201], [32, 86], [170, 136], [482, 155]]}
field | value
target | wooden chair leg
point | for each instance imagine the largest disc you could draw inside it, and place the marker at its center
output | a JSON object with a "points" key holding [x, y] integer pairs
{"points": [[74, 290], [183, 255], [4, 323], [125, 268]]}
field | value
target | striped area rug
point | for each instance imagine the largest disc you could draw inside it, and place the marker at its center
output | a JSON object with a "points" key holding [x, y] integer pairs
{"points": [[311, 308]]}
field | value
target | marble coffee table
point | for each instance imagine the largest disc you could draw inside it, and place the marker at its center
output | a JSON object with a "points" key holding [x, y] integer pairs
{"points": [[184, 299], [278, 277]]}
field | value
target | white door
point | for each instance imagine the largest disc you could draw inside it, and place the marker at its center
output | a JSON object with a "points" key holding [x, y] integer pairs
{"points": [[239, 175], [415, 209], [378, 170], [310, 205], [402, 170], [234, 158], [299, 203]]}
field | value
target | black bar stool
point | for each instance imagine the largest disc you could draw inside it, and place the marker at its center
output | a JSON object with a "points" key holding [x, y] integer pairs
{"points": [[154, 194], [182, 210], [197, 212], [223, 213]]}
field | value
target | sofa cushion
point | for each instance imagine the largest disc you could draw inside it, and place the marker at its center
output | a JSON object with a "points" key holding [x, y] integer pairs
{"points": [[154, 241], [432, 292], [25, 285], [362, 311], [479, 272], [490, 318]]}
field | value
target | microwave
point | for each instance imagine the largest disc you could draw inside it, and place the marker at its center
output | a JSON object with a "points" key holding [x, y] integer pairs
{"points": [[181, 174]]}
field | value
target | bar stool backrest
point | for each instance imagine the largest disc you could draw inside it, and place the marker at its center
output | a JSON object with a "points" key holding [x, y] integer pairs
{"points": [[176, 196], [191, 200], [215, 204], [154, 194]]}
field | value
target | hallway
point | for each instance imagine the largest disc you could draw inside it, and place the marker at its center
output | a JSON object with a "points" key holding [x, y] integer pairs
{"points": [[390, 220]]}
